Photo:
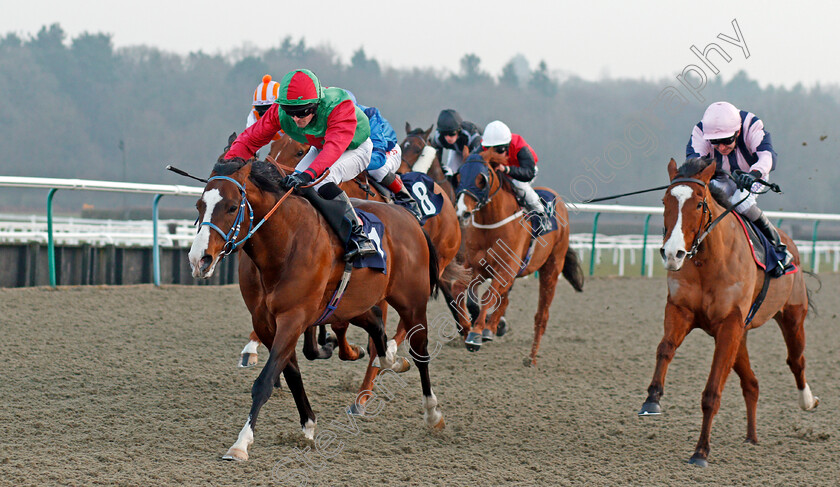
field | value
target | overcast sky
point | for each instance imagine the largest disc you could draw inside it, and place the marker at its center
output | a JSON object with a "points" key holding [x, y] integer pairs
{"points": [[787, 42]]}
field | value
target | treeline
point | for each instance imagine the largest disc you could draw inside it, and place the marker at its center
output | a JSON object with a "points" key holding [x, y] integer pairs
{"points": [[78, 108]]}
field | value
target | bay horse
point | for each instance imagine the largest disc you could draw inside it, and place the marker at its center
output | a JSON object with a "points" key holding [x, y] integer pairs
{"points": [[419, 155], [498, 239], [300, 266], [712, 286]]}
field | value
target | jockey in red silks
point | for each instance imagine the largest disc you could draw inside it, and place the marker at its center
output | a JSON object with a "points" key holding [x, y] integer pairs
{"points": [[736, 139], [339, 135], [521, 165]]}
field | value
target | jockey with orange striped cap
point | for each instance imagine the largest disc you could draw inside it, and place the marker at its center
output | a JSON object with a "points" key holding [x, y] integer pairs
{"points": [[264, 96], [339, 135]]}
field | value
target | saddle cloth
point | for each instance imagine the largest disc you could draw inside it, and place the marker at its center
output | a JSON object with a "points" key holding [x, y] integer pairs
{"points": [[422, 187], [547, 199], [374, 229], [763, 251]]}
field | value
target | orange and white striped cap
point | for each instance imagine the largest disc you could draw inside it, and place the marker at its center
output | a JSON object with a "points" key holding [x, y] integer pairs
{"points": [[266, 92]]}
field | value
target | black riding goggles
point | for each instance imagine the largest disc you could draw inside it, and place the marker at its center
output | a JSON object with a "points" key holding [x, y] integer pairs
{"points": [[261, 109], [725, 141], [299, 111]]}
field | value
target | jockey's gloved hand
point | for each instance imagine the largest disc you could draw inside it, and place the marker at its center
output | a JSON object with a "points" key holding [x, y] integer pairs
{"points": [[296, 179], [745, 180]]}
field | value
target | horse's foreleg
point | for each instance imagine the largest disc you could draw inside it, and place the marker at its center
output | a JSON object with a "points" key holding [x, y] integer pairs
{"points": [[749, 387], [492, 298], [727, 343], [791, 320], [312, 350], [346, 351], [295, 382], [249, 353], [401, 365], [281, 351], [677, 325]]}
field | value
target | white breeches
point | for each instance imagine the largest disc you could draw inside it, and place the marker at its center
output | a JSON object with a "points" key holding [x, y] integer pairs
{"points": [[348, 166]]}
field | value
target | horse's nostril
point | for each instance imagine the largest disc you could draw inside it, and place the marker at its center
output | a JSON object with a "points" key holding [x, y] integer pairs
{"points": [[205, 261], [662, 252], [680, 254]]}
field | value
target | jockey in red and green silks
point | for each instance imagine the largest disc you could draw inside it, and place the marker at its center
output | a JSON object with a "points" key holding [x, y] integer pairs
{"points": [[339, 133]]}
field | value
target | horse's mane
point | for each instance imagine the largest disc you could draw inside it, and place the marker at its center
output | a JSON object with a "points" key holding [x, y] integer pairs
{"points": [[416, 131], [693, 166], [264, 174]]}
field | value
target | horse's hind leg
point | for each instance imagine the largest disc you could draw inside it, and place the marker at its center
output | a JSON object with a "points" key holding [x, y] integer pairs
{"points": [[295, 383], [372, 372], [791, 320], [312, 350], [677, 326], [417, 346], [749, 387]]}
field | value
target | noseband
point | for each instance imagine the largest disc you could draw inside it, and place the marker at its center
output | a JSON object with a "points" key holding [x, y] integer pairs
{"points": [[482, 197]]}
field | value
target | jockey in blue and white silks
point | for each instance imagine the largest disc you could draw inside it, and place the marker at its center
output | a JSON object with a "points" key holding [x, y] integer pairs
{"points": [[736, 139]]}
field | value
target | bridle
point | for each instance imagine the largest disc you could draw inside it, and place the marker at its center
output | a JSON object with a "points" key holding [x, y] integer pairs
{"points": [[709, 223], [480, 198]]}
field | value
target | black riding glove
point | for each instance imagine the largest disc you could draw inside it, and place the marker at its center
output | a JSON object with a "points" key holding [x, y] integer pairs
{"points": [[745, 180], [296, 179]]}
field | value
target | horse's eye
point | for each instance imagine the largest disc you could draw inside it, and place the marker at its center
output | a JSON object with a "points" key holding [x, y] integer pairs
{"points": [[300, 153], [232, 209], [699, 205]]}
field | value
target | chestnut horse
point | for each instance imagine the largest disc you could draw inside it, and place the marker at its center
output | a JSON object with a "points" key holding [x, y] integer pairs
{"points": [[300, 266], [498, 239], [712, 286]]}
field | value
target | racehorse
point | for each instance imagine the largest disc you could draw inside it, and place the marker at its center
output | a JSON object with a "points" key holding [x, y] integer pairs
{"points": [[418, 155], [712, 286], [301, 272], [501, 245]]}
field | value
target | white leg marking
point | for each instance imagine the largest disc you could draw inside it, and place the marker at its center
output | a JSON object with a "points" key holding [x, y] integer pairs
{"points": [[202, 239], [677, 240], [431, 414], [390, 355], [309, 429], [251, 347], [239, 450], [807, 401]]}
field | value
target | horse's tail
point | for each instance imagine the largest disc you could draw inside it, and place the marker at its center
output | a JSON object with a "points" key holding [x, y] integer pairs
{"points": [[456, 272], [433, 266], [572, 270], [810, 292]]}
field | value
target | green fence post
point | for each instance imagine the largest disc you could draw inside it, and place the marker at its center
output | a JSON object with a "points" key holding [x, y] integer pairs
{"points": [[814, 246], [644, 244], [50, 241], [155, 246], [592, 256]]}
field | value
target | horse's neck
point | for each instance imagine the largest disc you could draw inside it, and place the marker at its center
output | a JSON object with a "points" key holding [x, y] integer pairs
{"points": [[295, 219], [721, 242], [502, 205]]}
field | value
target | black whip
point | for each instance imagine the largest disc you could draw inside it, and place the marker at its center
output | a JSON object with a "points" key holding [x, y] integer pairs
{"points": [[184, 173]]}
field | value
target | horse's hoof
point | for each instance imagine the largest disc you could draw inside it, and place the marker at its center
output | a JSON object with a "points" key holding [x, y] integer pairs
{"points": [[502, 328], [248, 360], [529, 362], [361, 351], [440, 425], [487, 335], [696, 460], [650, 409], [235, 454], [356, 409], [751, 441], [401, 365], [473, 341]]}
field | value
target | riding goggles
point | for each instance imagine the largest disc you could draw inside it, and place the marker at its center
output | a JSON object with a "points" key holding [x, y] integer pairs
{"points": [[299, 111], [725, 141]]}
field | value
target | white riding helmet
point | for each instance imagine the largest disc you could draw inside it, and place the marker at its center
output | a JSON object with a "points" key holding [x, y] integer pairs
{"points": [[266, 92], [721, 121], [496, 133]]}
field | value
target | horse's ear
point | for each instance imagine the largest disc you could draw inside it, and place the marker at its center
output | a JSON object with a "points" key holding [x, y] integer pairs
{"points": [[428, 132], [407, 128], [672, 169], [706, 174], [232, 139]]}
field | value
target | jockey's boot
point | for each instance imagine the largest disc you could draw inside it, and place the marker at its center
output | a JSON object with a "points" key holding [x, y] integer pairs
{"points": [[402, 197], [359, 244], [539, 210], [772, 234], [341, 218]]}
